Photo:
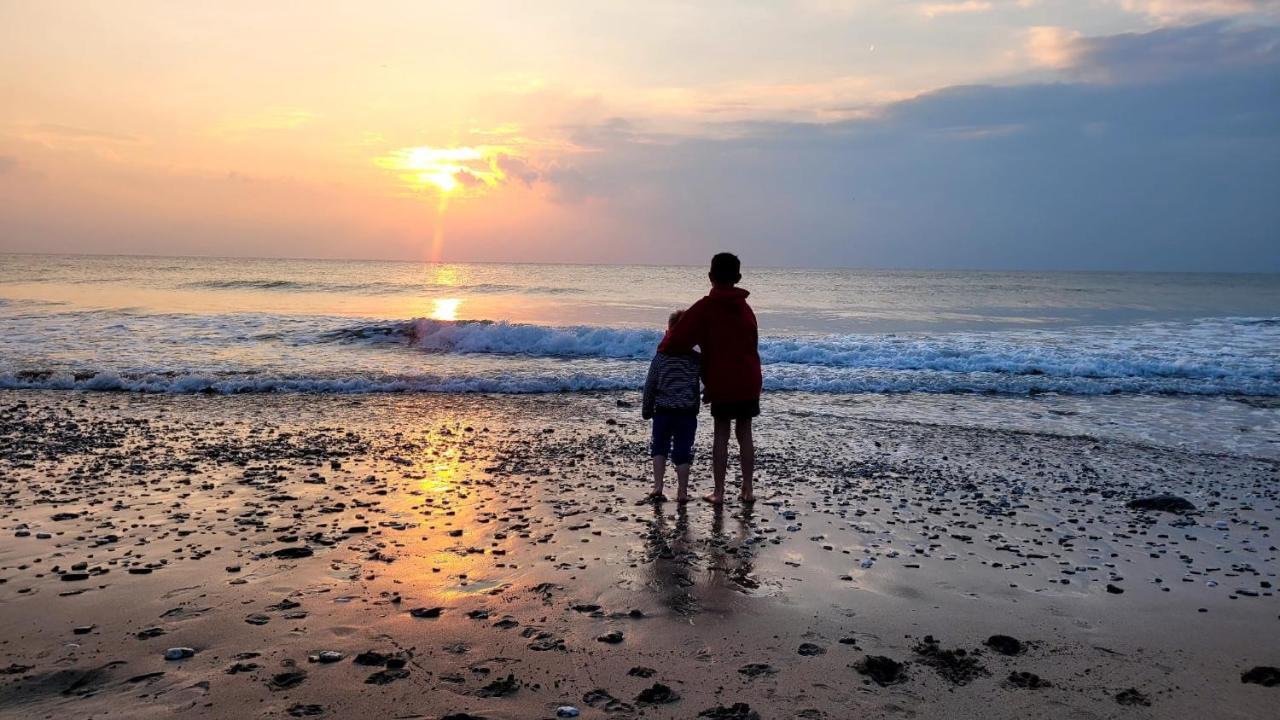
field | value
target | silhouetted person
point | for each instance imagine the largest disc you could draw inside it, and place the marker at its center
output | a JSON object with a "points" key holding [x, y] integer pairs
{"points": [[723, 326], [671, 401]]}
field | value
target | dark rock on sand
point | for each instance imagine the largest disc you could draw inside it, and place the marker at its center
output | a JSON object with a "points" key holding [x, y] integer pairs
{"points": [[501, 687], [1027, 680], [658, 694], [371, 658], [955, 666], [382, 677], [300, 710], [1133, 696], [293, 553], [602, 700], [286, 680], [737, 711], [613, 637], [1115, 589], [1004, 644], [426, 612], [882, 670], [810, 649], [1263, 675], [1162, 503], [642, 672], [755, 670]]}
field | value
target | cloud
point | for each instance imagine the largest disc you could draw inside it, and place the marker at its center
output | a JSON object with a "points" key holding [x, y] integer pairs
{"points": [[54, 133], [517, 168], [1120, 166], [272, 119], [1182, 10], [1175, 52], [1052, 47], [966, 7]]}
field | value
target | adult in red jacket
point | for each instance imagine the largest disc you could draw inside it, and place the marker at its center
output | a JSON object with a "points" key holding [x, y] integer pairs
{"points": [[723, 326]]}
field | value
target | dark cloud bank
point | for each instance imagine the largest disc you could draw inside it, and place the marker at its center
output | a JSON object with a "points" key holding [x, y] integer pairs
{"points": [[1157, 151]]}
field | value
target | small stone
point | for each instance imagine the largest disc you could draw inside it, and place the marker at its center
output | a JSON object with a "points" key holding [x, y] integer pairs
{"points": [[1004, 644], [1263, 675], [613, 637], [567, 711], [1162, 503], [286, 680], [178, 653], [293, 553], [657, 694], [1133, 696]]}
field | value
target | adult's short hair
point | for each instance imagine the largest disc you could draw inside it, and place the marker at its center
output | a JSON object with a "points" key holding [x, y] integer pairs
{"points": [[726, 268]]}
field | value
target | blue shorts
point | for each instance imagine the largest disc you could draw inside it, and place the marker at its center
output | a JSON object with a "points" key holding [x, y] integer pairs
{"points": [[673, 436]]}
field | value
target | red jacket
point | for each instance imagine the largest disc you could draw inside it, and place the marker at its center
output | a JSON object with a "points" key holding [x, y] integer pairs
{"points": [[723, 326]]}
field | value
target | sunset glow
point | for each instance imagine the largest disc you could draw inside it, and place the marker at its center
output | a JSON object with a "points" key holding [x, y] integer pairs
{"points": [[446, 169], [870, 133]]}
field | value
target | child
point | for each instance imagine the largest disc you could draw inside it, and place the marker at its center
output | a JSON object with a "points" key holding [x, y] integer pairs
{"points": [[671, 400], [723, 326]]}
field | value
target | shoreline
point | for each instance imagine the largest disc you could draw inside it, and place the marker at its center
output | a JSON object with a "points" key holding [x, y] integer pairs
{"points": [[970, 533]]}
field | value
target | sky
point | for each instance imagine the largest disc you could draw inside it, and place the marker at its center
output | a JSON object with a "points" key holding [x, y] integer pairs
{"points": [[988, 134]]}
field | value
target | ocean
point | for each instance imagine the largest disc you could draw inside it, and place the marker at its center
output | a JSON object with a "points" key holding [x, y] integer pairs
{"points": [[188, 325]]}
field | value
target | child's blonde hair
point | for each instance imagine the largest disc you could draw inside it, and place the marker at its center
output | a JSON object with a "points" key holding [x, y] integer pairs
{"points": [[674, 318]]}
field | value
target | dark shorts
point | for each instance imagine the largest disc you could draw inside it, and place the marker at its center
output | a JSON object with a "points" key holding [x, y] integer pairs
{"points": [[735, 409], [673, 436]]}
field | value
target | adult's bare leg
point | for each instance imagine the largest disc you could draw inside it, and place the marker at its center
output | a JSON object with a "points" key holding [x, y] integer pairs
{"points": [[747, 457], [719, 459]]}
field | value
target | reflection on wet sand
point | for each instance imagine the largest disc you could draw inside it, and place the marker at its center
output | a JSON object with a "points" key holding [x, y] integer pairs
{"points": [[691, 574], [493, 551]]}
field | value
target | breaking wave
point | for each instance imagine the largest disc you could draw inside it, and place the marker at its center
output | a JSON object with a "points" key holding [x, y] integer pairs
{"points": [[246, 353]]}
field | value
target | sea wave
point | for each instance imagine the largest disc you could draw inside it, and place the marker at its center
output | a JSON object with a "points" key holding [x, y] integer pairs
{"points": [[378, 287], [628, 377], [1154, 350], [246, 353]]}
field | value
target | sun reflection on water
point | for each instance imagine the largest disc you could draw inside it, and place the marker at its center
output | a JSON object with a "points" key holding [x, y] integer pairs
{"points": [[445, 308]]}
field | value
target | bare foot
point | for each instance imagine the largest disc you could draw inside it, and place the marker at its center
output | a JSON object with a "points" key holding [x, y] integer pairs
{"points": [[653, 497], [714, 499]]}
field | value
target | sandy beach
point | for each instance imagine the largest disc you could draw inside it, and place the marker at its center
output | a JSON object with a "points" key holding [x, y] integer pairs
{"points": [[441, 556]]}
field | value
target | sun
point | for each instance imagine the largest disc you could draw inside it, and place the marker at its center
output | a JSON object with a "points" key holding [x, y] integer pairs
{"points": [[447, 170]]}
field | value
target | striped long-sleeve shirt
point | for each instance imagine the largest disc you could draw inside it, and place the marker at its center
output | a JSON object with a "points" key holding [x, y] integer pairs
{"points": [[672, 384]]}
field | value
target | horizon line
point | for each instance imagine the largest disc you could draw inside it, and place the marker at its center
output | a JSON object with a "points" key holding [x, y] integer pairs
{"points": [[856, 268]]}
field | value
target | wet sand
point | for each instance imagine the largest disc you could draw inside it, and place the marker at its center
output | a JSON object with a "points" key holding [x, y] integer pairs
{"points": [[438, 556]]}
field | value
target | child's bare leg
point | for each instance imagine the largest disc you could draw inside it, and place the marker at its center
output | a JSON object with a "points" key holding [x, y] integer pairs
{"points": [[682, 481], [719, 459], [747, 453], [659, 469]]}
